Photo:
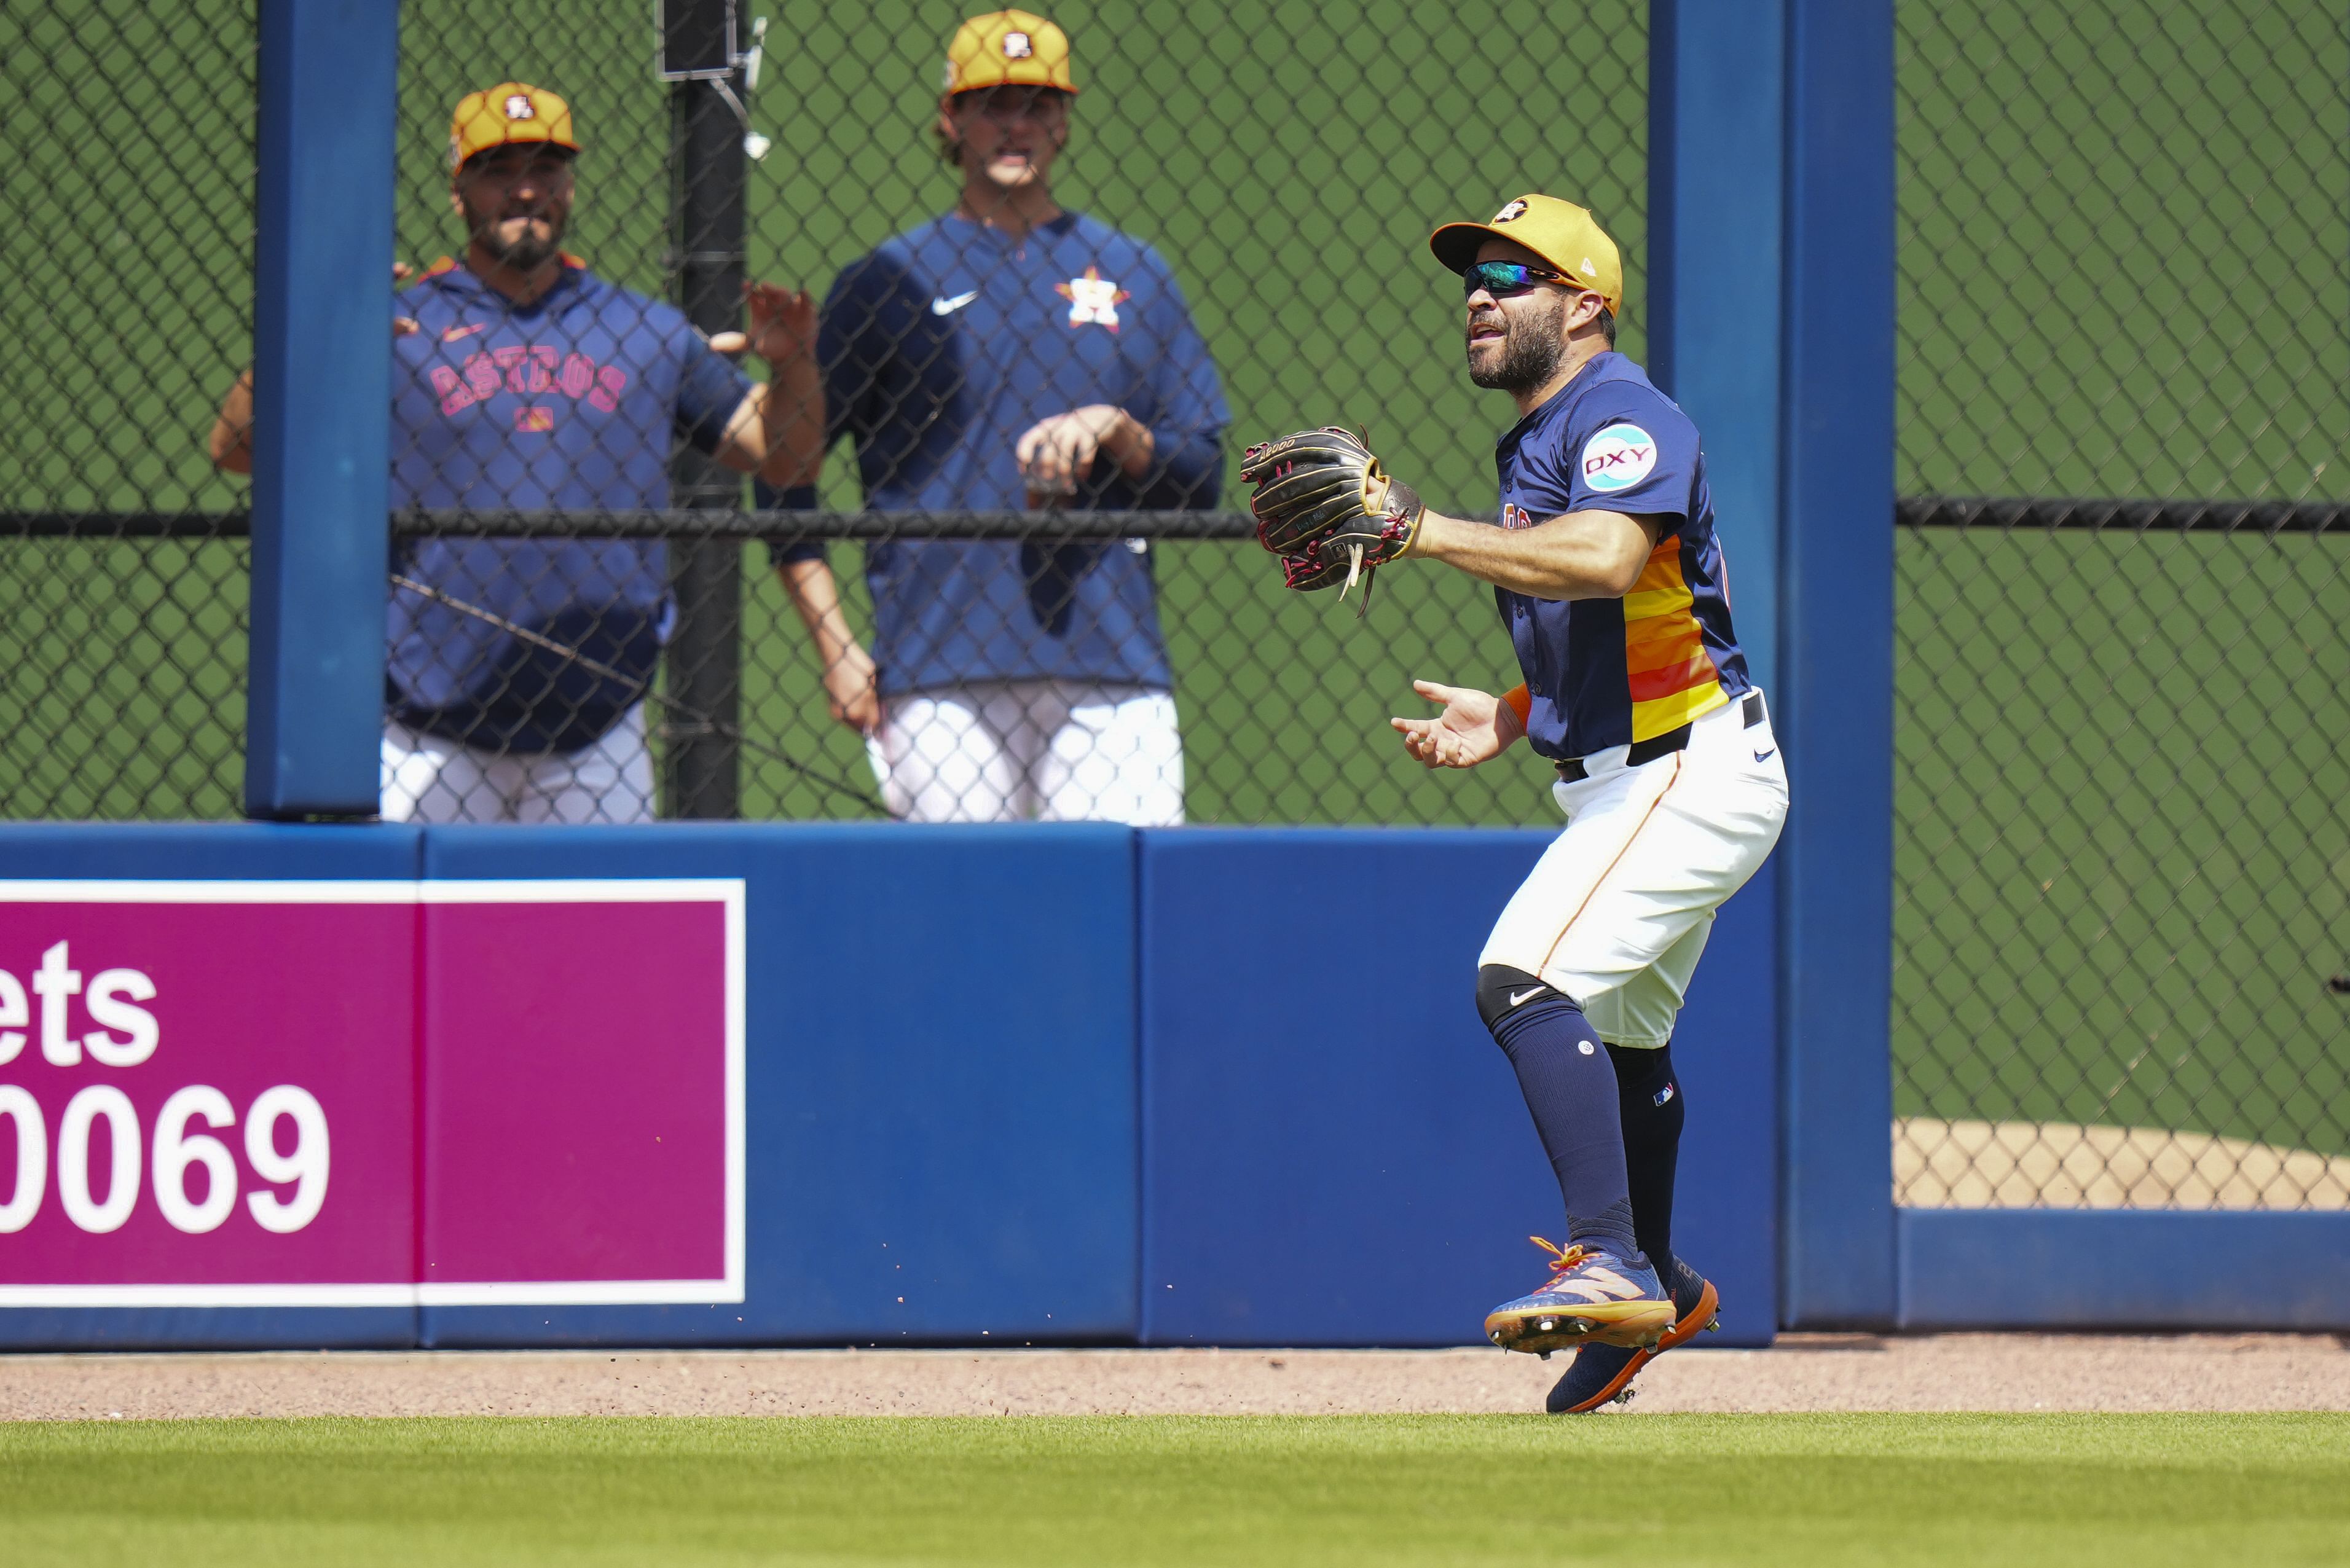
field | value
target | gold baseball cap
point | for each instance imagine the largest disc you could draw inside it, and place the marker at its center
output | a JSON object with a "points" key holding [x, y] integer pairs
{"points": [[1562, 233], [1008, 48], [508, 112]]}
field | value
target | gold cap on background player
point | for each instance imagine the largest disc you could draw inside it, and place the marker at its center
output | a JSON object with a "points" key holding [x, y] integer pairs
{"points": [[1003, 49], [1562, 233], [509, 111]]}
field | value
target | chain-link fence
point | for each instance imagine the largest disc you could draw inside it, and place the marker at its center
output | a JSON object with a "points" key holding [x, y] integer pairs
{"points": [[2122, 854], [128, 182], [2124, 272], [1206, 245]]}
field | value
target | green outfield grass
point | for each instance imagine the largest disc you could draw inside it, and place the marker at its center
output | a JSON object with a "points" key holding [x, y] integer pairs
{"points": [[1809, 1490]]}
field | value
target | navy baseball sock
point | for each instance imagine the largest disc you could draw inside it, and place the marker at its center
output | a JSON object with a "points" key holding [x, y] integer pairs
{"points": [[1569, 1084], [1650, 1109]]}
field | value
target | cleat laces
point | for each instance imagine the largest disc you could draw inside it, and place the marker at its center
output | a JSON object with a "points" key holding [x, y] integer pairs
{"points": [[1562, 1259]]}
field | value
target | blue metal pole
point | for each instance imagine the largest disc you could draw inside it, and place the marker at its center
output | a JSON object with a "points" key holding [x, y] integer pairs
{"points": [[322, 379], [1834, 714], [1716, 180], [1716, 171]]}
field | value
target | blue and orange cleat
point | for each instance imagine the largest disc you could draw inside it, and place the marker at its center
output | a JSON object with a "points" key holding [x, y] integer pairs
{"points": [[1603, 1373], [1592, 1297]]}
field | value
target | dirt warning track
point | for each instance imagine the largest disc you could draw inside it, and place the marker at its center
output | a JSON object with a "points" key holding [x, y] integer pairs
{"points": [[1802, 1372]]}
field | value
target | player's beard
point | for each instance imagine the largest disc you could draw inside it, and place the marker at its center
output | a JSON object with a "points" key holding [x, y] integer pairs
{"points": [[1532, 348], [523, 253]]}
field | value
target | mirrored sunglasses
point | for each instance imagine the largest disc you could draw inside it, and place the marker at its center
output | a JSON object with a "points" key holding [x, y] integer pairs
{"points": [[1500, 278]]}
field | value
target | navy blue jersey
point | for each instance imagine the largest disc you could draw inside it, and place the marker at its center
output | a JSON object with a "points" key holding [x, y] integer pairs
{"points": [[940, 350], [1608, 672], [575, 401]]}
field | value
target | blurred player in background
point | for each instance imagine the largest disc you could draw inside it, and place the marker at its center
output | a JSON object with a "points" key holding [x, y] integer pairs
{"points": [[1011, 354], [1609, 578], [520, 380]]}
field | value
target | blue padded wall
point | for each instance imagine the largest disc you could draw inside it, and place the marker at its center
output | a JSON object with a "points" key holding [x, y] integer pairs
{"points": [[225, 852], [1333, 1150], [968, 1086], [1726, 1206], [2124, 1268], [942, 1091]]}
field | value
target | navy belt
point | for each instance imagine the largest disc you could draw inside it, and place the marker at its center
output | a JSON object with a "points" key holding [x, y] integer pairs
{"points": [[1571, 771]]}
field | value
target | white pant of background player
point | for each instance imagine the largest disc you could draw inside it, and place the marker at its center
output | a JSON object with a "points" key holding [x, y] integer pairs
{"points": [[1055, 751], [1617, 912], [428, 779]]}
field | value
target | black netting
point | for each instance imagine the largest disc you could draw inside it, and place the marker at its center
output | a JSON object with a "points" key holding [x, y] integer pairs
{"points": [[1287, 197], [2122, 858], [2124, 272], [1215, 717], [128, 153]]}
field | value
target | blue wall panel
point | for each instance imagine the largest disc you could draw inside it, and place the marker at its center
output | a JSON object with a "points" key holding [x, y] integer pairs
{"points": [[207, 1328], [1726, 1208], [941, 1081], [1334, 1151], [943, 1092], [2132, 1268], [222, 852], [227, 851], [1834, 706]]}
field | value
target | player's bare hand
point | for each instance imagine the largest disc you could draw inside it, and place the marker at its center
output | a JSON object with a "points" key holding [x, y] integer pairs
{"points": [[403, 326], [851, 691], [782, 324], [1057, 454], [1475, 727]]}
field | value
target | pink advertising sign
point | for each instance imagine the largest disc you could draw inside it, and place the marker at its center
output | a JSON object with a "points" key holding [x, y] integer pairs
{"points": [[360, 1093]]}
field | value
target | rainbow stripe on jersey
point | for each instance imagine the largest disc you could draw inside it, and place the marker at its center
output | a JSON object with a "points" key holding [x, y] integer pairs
{"points": [[1604, 672], [1672, 677]]}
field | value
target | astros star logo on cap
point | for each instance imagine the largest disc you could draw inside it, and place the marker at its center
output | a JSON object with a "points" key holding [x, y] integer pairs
{"points": [[1007, 48], [505, 114]]}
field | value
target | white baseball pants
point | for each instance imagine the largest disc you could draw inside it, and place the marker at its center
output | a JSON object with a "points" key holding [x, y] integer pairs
{"points": [[1617, 910], [1055, 751], [431, 780]]}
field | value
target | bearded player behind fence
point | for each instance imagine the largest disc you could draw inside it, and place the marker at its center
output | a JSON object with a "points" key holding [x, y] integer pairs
{"points": [[520, 380], [1608, 576]]}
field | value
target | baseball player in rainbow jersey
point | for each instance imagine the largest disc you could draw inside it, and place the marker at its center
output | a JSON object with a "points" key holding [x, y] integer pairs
{"points": [[1608, 573]]}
